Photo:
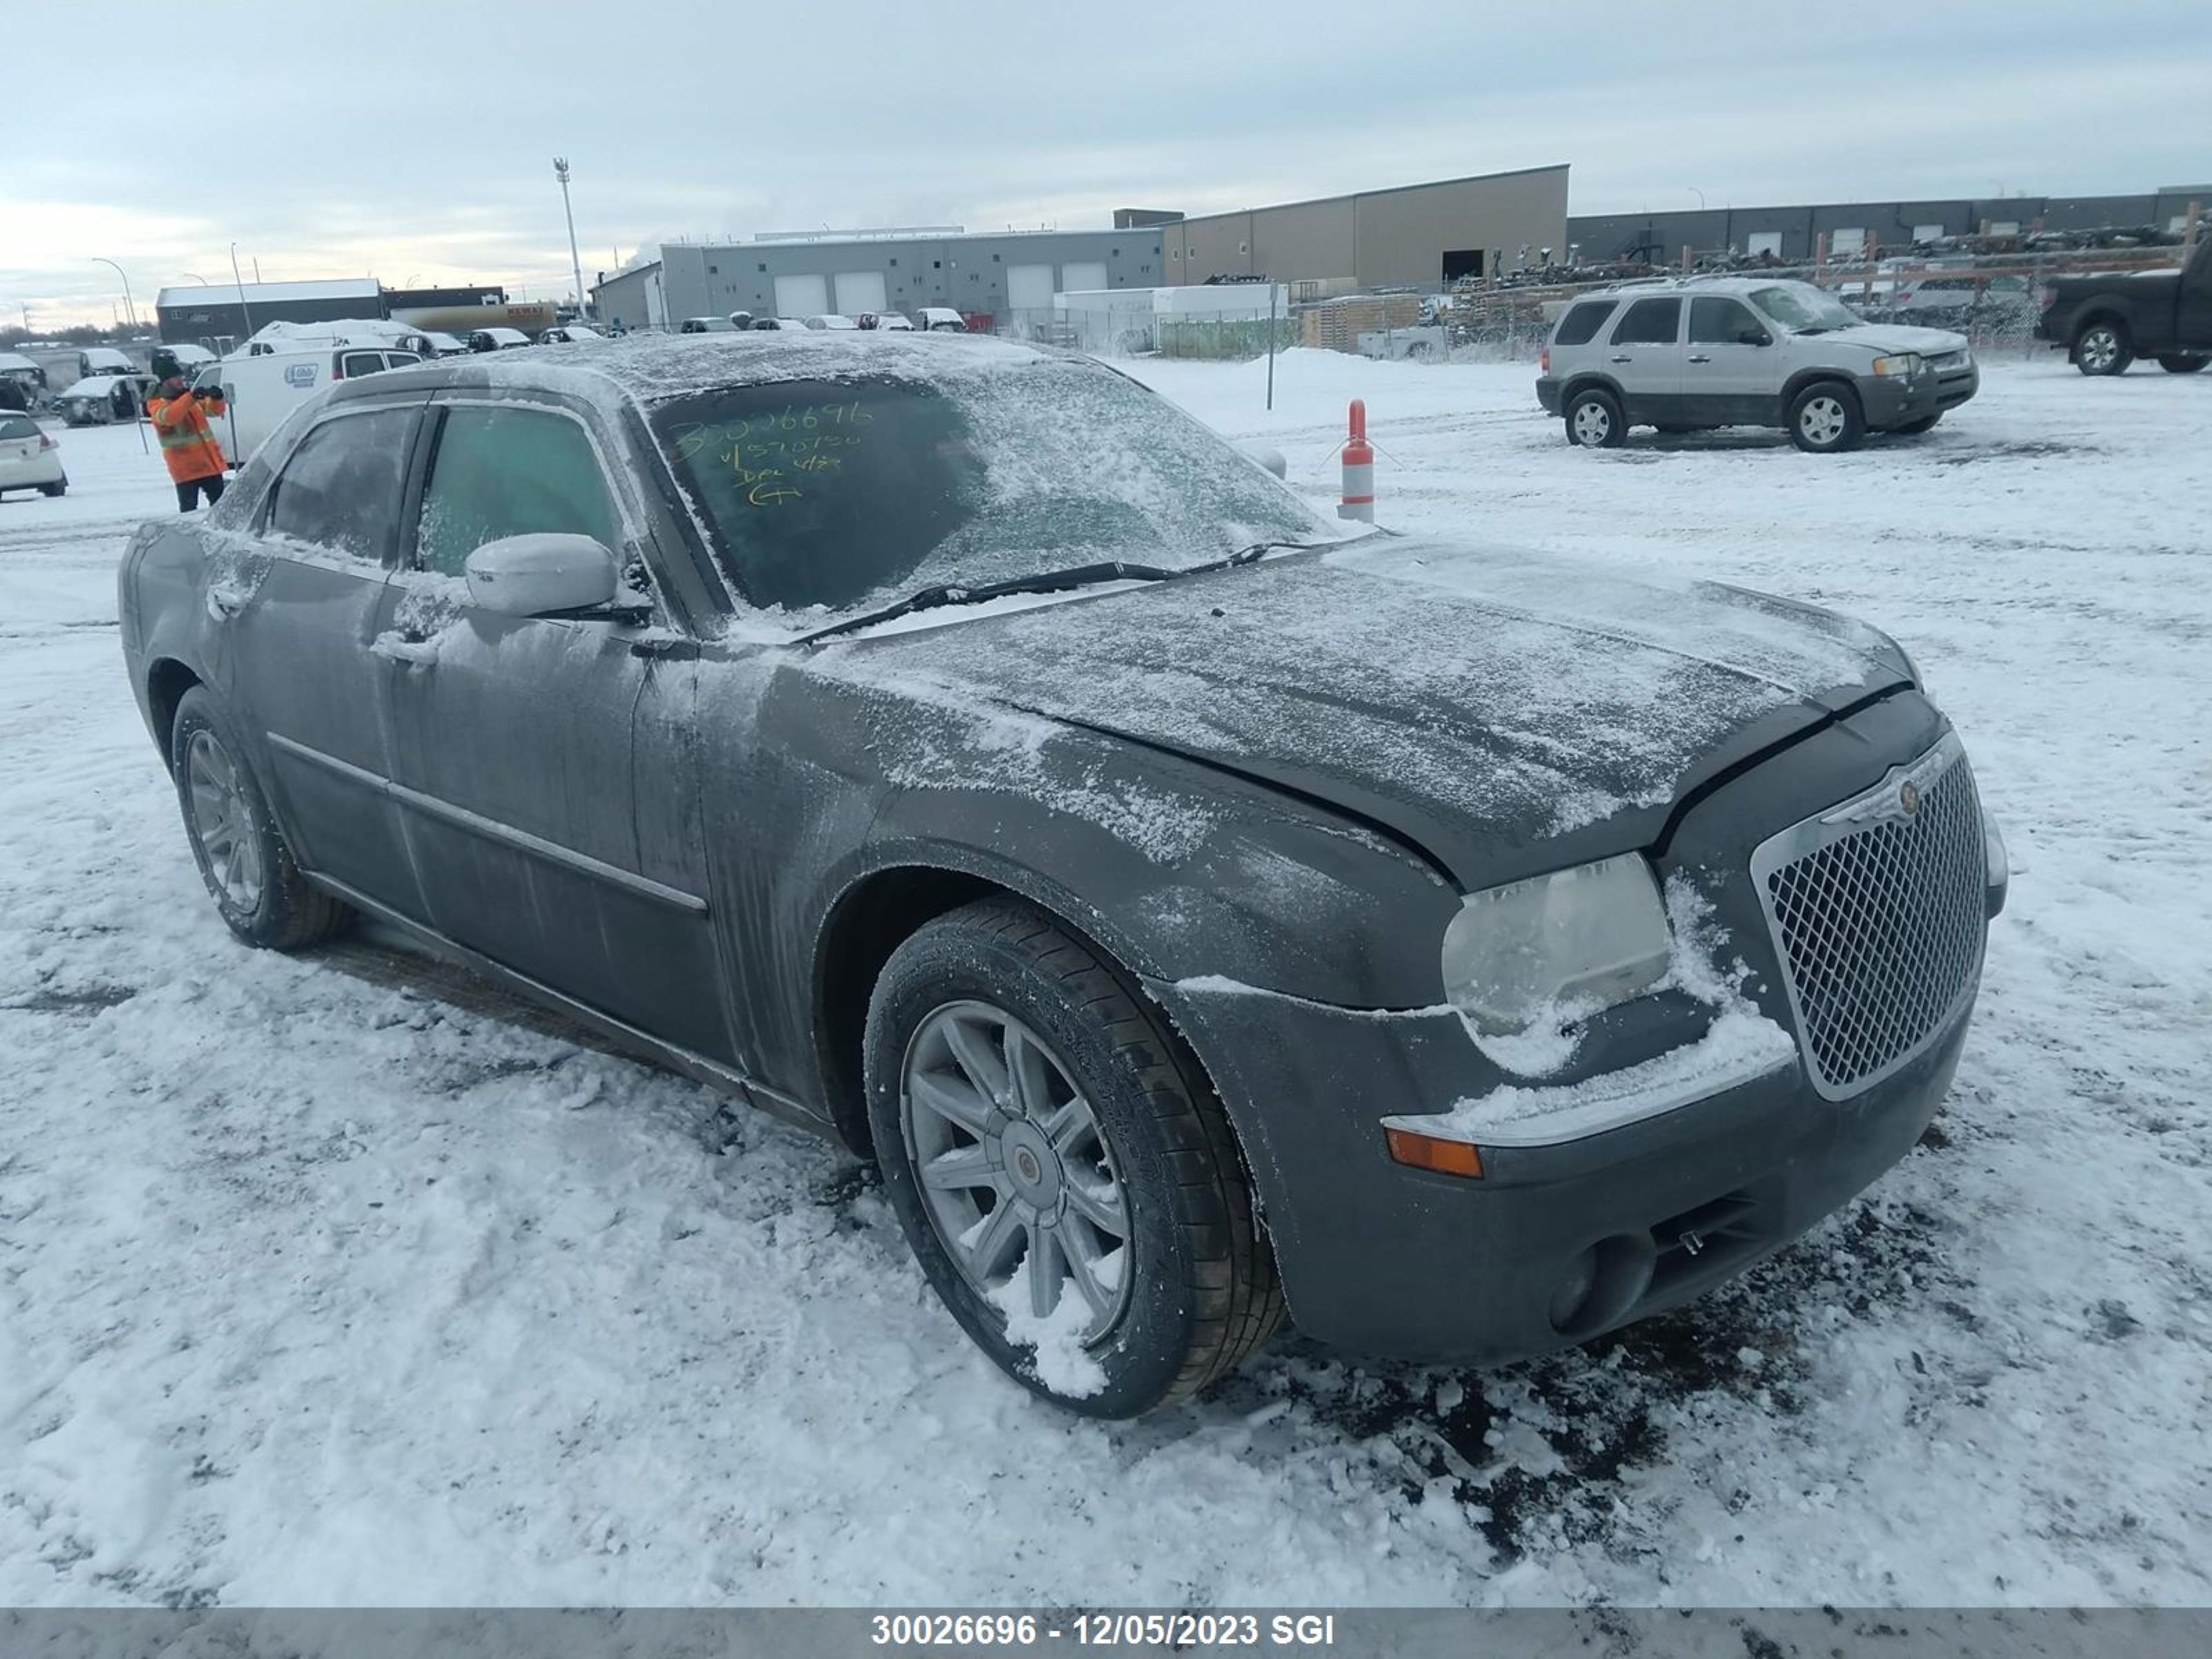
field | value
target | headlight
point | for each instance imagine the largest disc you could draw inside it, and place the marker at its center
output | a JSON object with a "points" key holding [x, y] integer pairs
{"points": [[1906, 363], [1595, 935]]}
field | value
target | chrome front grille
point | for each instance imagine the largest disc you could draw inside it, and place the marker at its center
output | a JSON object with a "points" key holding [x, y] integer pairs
{"points": [[1877, 916]]}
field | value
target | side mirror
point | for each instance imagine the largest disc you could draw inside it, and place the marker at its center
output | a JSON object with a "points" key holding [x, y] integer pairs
{"points": [[1754, 337], [1269, 456], [541, 575]]}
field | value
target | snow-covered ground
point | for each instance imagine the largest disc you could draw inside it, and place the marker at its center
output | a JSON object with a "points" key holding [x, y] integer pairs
{"points": [[315, 1288]]}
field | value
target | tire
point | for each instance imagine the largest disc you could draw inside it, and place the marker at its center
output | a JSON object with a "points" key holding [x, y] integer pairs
{"points": [[1824, 418], [2174, 362], [2103, 347], [250, 873], [1594, 420], [59, 487], [1914, 428], [1194, 1291]]}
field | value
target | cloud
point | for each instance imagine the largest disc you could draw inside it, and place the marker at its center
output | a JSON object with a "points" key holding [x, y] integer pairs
{"points": [[394, 138]]}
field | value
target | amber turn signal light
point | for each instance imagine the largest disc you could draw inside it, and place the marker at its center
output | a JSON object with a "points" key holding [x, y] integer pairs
{"points": [[1429, 1152]]}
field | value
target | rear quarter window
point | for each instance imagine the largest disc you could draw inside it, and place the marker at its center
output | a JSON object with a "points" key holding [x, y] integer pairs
{"points": [[17, 426], [1580, 325], [1650, 322]]}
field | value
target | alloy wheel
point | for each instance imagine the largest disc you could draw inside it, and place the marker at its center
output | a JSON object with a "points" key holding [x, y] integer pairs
{"points": [[1822, 421], [2100, 347], [223, 823], [1592, 424], [1013, 1167]]}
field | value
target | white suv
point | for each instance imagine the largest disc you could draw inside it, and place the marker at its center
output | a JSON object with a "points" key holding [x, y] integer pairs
{"points": [[1687, 353]]}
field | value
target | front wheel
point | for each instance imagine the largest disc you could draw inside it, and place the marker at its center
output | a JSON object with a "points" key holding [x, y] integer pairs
{"points": [[1060, 1166], [249, 870], [2181, 363], [1824, 418], [2103, 349]]}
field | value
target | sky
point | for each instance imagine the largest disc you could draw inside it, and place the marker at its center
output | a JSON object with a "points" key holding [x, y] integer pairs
{"points": [[414, 143]]}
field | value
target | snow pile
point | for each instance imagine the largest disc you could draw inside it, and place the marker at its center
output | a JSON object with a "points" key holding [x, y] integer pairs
{"points": [[1057, 1357], [347, 330]]}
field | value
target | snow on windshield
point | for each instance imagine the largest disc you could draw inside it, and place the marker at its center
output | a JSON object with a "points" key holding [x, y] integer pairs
{"points": [[843, 492], [1798, 307]]}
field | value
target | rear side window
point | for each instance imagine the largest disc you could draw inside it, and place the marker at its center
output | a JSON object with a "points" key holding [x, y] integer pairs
{"points": [[341, 488], [510, 472], [17, 426], [1650, 322], [1581, 324], [1717, 320], [355, 364]]}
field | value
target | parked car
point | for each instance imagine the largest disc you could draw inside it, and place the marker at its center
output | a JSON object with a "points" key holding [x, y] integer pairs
{"points": [[707, 326], [262, 389], [770, 324], [2105, 320], [431, 342], [830, 321], [29, 460], [1470, 950], [106, 360], [27, 377], [1685, 354], [943, 320], [889, 321], [497, 339], [741, 320], [570, 334], [101, 399]]}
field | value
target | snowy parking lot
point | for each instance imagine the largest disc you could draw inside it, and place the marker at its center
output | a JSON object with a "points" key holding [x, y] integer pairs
{"points": [[324, 1282]]}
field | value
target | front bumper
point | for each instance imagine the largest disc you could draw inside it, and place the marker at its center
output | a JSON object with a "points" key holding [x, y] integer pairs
{"points": [[1378, 1258]]}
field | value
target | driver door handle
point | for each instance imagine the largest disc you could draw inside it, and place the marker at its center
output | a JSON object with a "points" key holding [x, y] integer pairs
{"points": [[1622, 359], [408, 648], [1700, 358]]}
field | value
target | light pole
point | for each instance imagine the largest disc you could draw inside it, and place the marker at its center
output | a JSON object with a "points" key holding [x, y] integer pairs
{"points": [[129, 310], [1699, 194], [575, 259], [202, 281]]}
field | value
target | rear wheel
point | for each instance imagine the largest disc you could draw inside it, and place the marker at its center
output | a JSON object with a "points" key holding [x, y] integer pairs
{"points": [[1824, 418], [59, 487], [249, 870], [2179, 364], [1060, 1166], [2103, 349], [1594, 420]]}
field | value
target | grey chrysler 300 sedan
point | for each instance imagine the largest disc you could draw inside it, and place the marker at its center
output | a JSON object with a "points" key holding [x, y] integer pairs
{"points": [[1196, 911]]}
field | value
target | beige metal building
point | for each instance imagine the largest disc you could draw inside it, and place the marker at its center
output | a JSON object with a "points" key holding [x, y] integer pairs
{"points": [[1416, 234]]}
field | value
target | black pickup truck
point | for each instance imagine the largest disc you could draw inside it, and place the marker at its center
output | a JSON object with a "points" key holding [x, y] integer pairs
{"points": [[2108, 319]]}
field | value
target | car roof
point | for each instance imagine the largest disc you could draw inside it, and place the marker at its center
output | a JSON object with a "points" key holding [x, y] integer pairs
{"points": [[1663, 287], [653, 368]]}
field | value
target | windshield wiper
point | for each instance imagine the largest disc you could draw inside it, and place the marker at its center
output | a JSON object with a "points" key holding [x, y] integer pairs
{"points": [[937, 597], [944, 593]]}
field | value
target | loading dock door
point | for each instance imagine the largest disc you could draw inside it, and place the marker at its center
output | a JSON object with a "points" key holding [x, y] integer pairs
{"points": [[1029, 287], [801, 296], [1083, 276], [859, 291]]}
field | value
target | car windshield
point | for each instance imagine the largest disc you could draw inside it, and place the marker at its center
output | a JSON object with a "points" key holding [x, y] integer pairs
{"points": [[1800, 308], [830, 496]]}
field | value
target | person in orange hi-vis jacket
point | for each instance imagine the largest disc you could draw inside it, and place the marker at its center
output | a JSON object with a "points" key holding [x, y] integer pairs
{"points": [[180, 417]]}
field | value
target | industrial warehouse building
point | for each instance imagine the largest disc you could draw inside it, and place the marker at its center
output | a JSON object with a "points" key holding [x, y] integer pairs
{"points": [[1416, 236], [1792, 234], [204, 313]]}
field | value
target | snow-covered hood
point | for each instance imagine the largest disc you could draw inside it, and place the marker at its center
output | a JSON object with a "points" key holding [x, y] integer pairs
{"points": [[1882, 338], [1479, 702]]}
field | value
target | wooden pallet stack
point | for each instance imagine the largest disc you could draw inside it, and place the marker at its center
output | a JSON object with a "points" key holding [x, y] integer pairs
{"points": [[1337, 324]]}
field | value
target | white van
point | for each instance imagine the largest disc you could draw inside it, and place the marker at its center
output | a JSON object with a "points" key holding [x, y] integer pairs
{"points": [[260, 389]]}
